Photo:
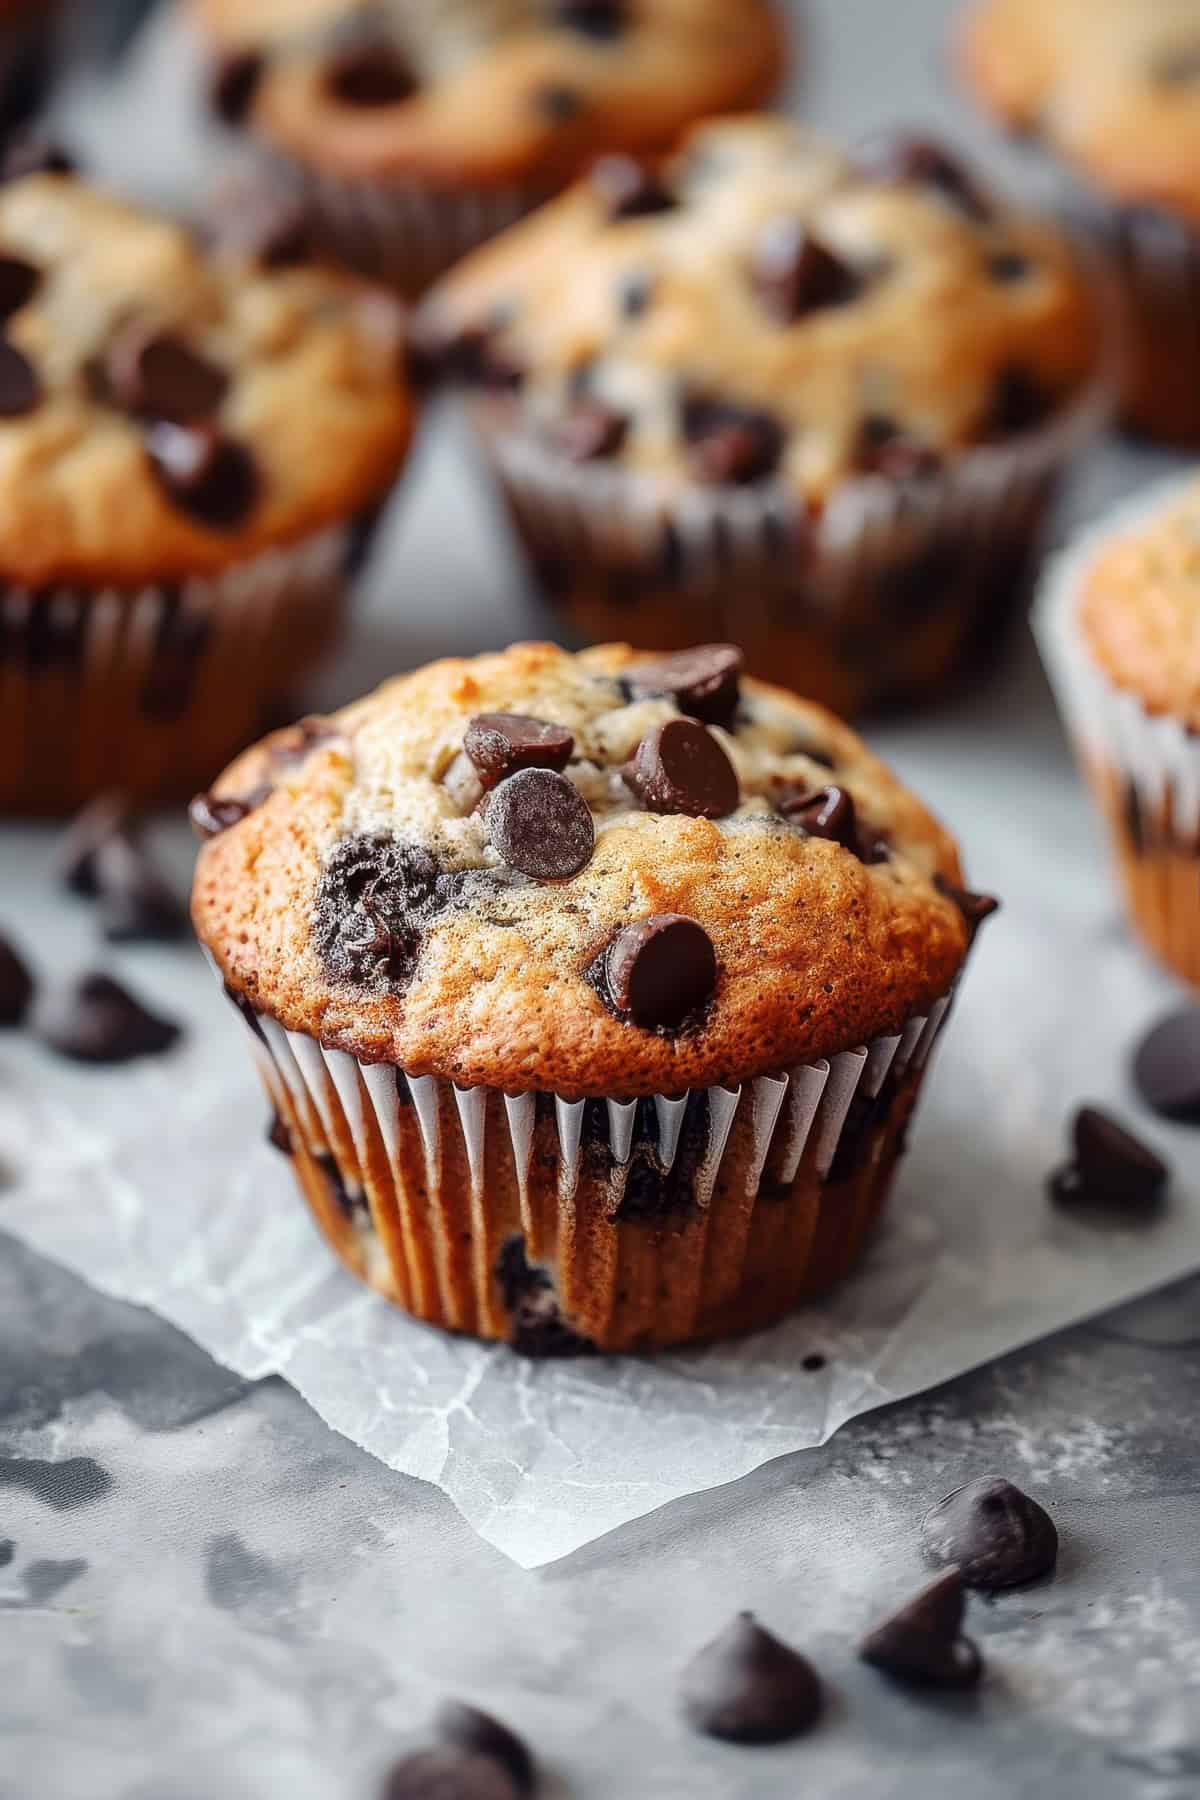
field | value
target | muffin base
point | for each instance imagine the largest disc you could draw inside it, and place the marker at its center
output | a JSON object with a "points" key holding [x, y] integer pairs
{"points": [[1159, 872], [569, 1226]]}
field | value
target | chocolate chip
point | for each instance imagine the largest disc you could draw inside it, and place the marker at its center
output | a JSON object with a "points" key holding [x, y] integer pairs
{"points": [[35, 156], [279, 1134], [557, 103], [466, 1728], [541, 825], [591, 432], [537, 1327], [635, 291], [975, 908], [661, 970], [1112, 1170], [207, 475], [603, 19], [501, 743], [136, 903], [994, 1534], [1019, 403], [448, 1773], [1008, 265], [156, 375], [211, 816], [19, 282], [923, 1642], [630, 189], [750, 1688], [20, 389], [730, 444], [884, 448], [107, 816], [1166, 1067], [233, 84], [96, 1020], [370, 73], [375, 897], [16, 985], [794, 273], [679, 767], [922, 161], [705, 682]]}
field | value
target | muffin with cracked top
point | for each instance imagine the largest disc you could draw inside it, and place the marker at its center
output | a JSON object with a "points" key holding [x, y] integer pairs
{"points": [[593, 993], [400, 134], [814, 403], [171, 550]]}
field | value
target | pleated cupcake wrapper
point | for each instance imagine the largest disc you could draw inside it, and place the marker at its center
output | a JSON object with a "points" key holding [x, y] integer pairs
{"points": [[152, 690]]}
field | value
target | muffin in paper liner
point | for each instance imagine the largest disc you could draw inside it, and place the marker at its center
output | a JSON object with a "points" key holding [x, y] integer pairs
{"points": [[1143, 767]]}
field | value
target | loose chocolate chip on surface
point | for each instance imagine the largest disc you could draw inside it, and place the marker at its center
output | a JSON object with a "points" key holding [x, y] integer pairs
{"points": [[1112, 1171], [831, 813], [96, 1020], [1176, 66], [704, 682], [370, 73], [375, 897], [136, 903], [16, 985], [35, 156], [1166, 1067], [541, 825], [591, 431], [920, 160], [679, 767], [206, 474], [467, 1728], [750, 1688], [794, 273], [501, 743], [923, 1642], [233, 83], [604, 19], [1019, 403], [731, 445], [884, 448], [19, 282], [975, 908], [995, 1535], [630, 189], [661, 970], [20, 389], [155, 375], [448, 1773]]}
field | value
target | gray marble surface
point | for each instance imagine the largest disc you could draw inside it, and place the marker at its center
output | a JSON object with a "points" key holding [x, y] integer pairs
{"points": [[205, 1591]]}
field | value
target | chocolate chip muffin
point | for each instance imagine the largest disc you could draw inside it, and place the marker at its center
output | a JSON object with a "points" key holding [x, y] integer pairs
{"points": [[593, 993], [1107, 95], [1119, 623], [171, 548], [814, 403], [399, 135]]}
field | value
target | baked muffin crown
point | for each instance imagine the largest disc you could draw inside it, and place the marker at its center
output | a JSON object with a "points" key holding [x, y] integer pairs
{"points": [[159, 407], [767, 308], [593, 874]]}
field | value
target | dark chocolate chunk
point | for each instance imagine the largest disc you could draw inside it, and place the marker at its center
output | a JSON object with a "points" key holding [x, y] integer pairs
{"points": [[679, 767], [207, 475], [16, 985], [136, 903], [603, 19], [1019, 403], [635, 291], [20, 388], [35, 156], [210, 815], [995, 1535], [975, 908], [704, 682], [923, 1642], [370, 73], [75, 864], [156, 375], [1008, 265], [233, 84], [279, 1134], [813, 1363], [661, 970], [1166, 1067], [541, 825], [920, 160], [831, 813], [884, 448], [351, 1202], [19, 282], [750, 1688], [1112, 1170], [730, 445], [375, 898], [557, 102], [591, 431], [448, 1773], [630, 189], [96, 1020], [467, 1728], [794, 273], [538, 1328], [501, 743]]}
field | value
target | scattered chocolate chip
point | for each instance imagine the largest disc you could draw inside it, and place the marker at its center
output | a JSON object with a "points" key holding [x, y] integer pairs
{"points": [[679, 767], [233, 84], [210, 815], [1008, 265], [630, 189], [750, 1688], [730, 444], [975, 908], [884, 448], [1166, 1067], [923, 1642], [541, 825], [794, 273], [136, 904], [20, 389], [604, 19], [19, 282], [635, 291], [538, 1328], [155, 375], [16, 985], [661, 970], [35, 156], [370, 73], [279, 1134], [207, 475], [557, 103], [994, 1534], [471, 354], [448, 1773], [591, 432], [501, 743], [96, 1020], [467, 1728], [920, 160], [1112, 1171], [813, 1362], [705, 682], [107, 816], [375, 897], [1019, 403]]}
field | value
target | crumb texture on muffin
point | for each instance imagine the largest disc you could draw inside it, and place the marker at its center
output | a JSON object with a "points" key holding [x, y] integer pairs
{"points": [[764, 307], [685, 878]]}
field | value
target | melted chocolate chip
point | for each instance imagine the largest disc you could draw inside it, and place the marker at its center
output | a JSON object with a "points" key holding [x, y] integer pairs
{"points": [[679, 767], [541, 825], [20, 388], [1019, 403], [35, 156], [704, 683], [920, 160], [16, 985], [448, 1773], [19, 282], [885, 449], [975, 908], [210, 815], [794, 273], [1112, 1171], [499, 744], [208, 476], [156, 375], [995, 1535], [591, 432], [602, 19], [1166, 1067], [375, 898], [630, 189], [556, 102], [750, 1688], [831, 813], [538, 1328], [96, 1020], [730, 445], [467, 1728], [635, 291], [233, 84], [106, 817], [923, 1642], [370, 73], [661, 970]]}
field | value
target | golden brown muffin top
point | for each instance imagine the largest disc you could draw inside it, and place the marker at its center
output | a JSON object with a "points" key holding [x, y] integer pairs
{"points": [[645, 875], [159, 409], [766, 307], [1139, 607], [1111, 85], [481, 93]]}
